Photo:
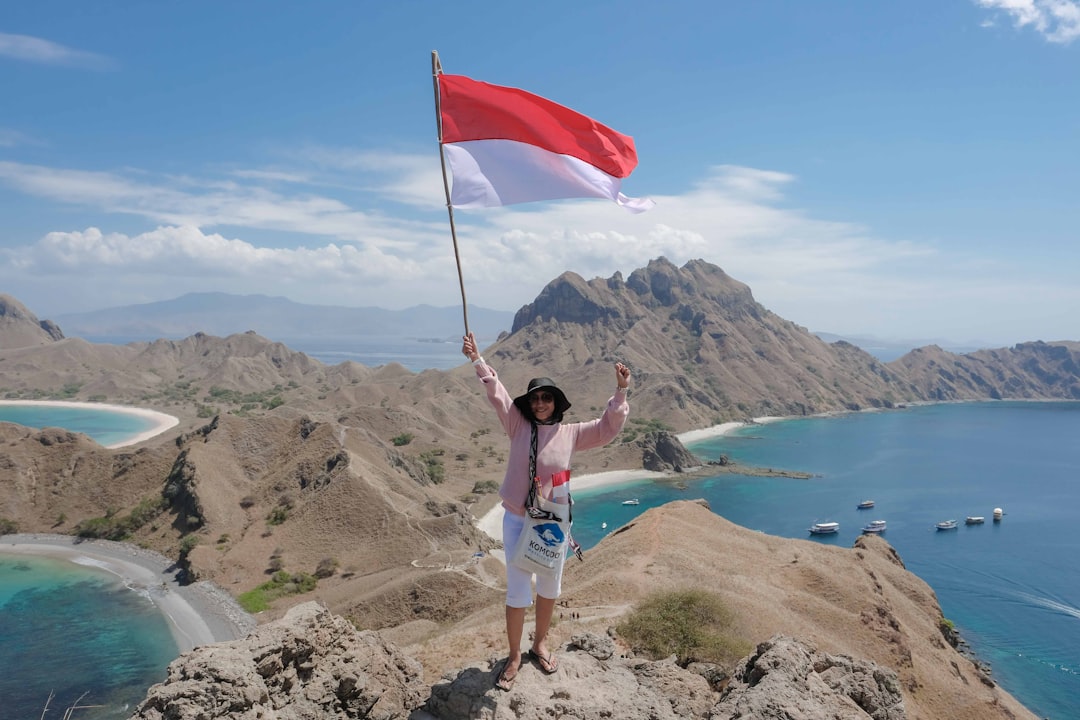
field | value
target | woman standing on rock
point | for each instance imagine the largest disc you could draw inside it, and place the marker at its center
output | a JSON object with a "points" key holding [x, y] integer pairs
{"points": [[542, 406]]}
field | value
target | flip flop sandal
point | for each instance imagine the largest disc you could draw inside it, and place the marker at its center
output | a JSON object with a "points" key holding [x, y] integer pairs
{"points": [[548, 663], [505, 683]]}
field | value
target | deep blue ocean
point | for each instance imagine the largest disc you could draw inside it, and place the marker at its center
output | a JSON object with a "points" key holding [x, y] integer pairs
{"points": [[107, 427], [1012, 588], [70, 629]]}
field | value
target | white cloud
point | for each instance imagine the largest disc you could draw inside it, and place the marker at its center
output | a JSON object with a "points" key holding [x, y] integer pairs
{"points": [[203, 202], [1056, 20], [179, 252], [36, 50], [283, 239]]}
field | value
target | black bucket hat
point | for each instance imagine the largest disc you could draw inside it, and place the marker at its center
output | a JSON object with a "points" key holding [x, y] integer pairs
{"points": [[543, 383]]}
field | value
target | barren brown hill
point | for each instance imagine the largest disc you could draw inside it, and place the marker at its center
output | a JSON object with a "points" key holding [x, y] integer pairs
{"points": [[371, 476], [858, 601], [19, 327], [1027, 371]]}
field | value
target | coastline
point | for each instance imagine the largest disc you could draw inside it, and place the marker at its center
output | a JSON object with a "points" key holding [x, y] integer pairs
{"points": [[197, 614], [491, 522], [162, 421]]}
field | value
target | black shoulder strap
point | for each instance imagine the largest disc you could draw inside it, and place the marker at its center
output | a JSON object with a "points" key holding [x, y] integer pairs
{"points": [[532, 506]]}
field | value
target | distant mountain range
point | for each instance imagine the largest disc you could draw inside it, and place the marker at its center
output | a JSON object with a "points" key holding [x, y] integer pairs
{"points": [[889, 350], [277, 318], [281, 319]]}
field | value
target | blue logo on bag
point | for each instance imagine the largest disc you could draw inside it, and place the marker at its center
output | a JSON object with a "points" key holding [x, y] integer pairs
{"points": [[550, 534]]}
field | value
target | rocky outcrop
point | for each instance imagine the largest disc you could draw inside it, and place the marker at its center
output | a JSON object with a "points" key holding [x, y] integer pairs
{"points": [[20, 328], [591, 683], [786, 678], [310, 664], [314, 664], [661, 451]]}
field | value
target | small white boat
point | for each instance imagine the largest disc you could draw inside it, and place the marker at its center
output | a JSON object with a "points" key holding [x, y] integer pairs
{"points": [[865, 505], [603, 526], [946, 525], [635, 501], [824, 528], [998, 512], [974, 520], [874, 527]]}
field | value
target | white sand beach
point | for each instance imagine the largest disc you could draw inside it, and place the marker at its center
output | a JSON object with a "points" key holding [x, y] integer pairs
{"points": [[198, 614], [162, 421]]}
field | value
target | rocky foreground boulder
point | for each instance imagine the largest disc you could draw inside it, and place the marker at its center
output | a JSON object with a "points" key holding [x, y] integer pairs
{"points": [[785, 679], [313, 664], [310, 664]]}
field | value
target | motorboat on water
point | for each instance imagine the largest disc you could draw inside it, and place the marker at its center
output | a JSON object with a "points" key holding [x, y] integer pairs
{"points": [[865, 505], [974, 520], [946, 525], [874, 527], [824, 528], [635, 501]]}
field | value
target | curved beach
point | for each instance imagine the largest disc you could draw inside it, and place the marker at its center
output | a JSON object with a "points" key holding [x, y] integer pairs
{"points": [[198, 614], [161, 421]]}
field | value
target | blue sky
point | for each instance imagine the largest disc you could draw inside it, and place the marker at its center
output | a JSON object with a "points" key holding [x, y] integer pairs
{"points": [[900, 169]]}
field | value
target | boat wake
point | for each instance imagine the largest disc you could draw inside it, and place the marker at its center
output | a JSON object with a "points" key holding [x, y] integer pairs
{"points": [[1056, 606]]}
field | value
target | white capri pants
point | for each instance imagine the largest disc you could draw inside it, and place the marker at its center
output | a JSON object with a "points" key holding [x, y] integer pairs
{"points": [[518, 581]]}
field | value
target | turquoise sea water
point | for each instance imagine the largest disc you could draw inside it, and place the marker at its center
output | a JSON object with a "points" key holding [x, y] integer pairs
{"points": [[72, 629], [106, 427], [1012, 588]]}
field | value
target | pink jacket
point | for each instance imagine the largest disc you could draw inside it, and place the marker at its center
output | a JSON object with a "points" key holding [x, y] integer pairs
{"points": [[555, 444]]}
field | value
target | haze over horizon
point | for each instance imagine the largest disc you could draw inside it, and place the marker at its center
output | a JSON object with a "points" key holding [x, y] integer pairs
{"points": [[872, 170]]}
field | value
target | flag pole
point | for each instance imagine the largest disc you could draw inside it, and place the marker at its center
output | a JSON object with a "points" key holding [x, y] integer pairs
{"points": [[436, 70]]}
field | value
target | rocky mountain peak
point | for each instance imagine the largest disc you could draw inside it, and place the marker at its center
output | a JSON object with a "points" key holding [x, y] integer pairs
{"points": [[691, 290], [20, 328]]}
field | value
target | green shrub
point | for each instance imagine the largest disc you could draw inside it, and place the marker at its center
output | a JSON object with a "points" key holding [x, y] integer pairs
{"points": [[402, 439], [254, 601], [694, 625], [114, 527], [435, 468], [485, 486], [8, 527], [326, 568], [281, 585], [640, 426], [278, 515], [187, 545]]}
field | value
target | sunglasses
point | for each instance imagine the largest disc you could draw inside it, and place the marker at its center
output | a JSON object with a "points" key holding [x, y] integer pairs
{"points": [[544, 397]]}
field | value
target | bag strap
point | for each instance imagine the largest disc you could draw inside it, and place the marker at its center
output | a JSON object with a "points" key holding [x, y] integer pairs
{"points": [[532, 507]]}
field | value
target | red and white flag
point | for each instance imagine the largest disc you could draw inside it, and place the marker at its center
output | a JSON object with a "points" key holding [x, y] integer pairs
{"points": [[507, 146]]}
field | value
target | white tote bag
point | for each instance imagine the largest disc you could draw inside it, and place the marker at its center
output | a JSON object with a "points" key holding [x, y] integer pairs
{"points": [[542, 547]]}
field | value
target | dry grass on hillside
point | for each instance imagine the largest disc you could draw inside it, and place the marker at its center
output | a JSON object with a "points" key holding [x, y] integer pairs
{"points": [[857, 601]]}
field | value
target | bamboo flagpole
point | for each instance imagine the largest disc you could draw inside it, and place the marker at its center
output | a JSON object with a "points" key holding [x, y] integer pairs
{"points": [[436, 70]]}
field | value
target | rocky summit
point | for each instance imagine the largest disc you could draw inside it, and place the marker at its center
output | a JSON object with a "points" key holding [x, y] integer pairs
{"points": [[19, 327], [369, 481]]}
